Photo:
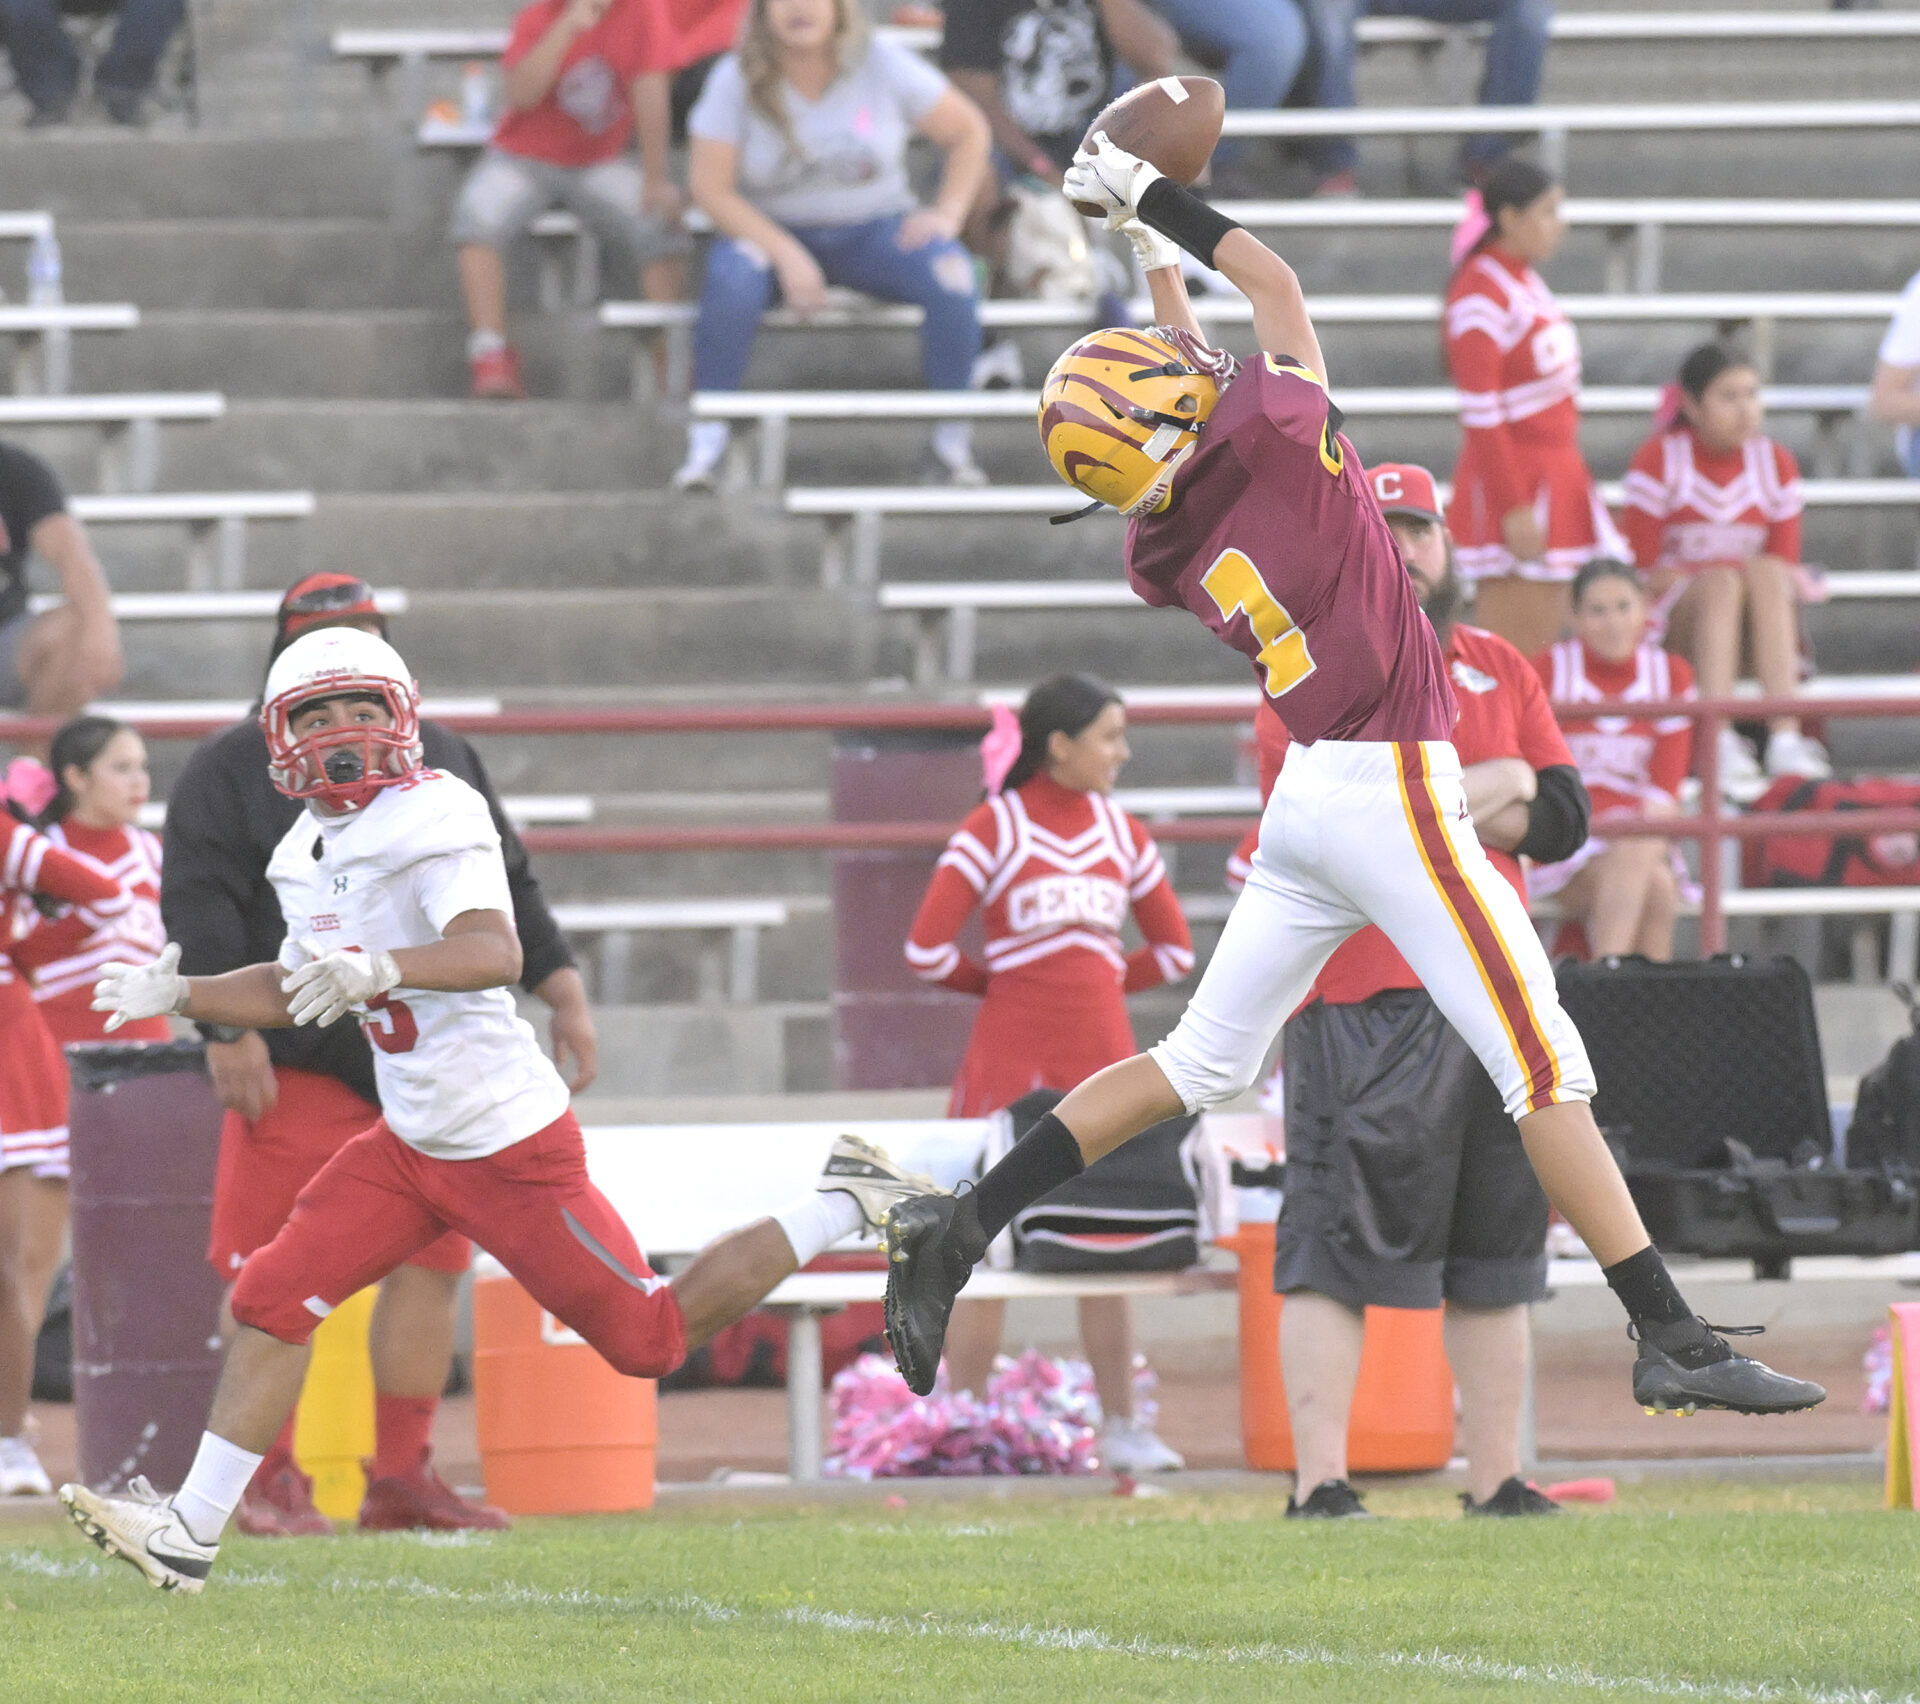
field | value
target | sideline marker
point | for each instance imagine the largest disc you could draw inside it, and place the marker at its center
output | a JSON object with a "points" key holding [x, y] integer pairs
{"points": [[1903, 1406]]}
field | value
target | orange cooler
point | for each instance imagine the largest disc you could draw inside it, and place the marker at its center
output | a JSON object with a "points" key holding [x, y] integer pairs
{"points": [[1402, 1405], [561, 1433]]}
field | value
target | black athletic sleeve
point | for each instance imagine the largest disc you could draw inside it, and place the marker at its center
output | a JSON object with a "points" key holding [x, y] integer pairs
{"points": [[32, 490], [1557, 818], [208, 871], [971, 38], [543, 949]]}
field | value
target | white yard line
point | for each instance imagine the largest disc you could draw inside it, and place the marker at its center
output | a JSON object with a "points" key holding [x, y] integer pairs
{"points": [[1030, 1637]]}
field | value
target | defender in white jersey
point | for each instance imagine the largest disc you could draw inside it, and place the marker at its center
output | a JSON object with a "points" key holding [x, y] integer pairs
{"points": [[395, 897]]}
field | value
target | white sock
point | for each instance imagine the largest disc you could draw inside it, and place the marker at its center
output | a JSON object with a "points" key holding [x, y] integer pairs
{"points": [[481, 343], [953, 441], [215, 1484], [818, 1220], [707, 441]]}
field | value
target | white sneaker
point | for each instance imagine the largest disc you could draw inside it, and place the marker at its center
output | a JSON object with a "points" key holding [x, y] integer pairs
{"points": [[1741, 778], [1795, 754], [1128, 1447], [871, 1177], [143, 1528], [998, 367], [707, 442], [950, 461], [21, 1474]]}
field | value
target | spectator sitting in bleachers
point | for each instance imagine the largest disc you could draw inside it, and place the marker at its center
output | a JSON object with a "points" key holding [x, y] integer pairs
{"points": [[50, 664], [1713, 515], [702, 31], [46, 64], [1896, 378], [800, 159], [1625, 892], [1258, 47], [581, 77], [1516, 52], [1040, 70]]}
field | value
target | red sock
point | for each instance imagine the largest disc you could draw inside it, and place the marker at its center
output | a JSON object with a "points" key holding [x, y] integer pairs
{"points": [[402, 1432], [279, 1454]]}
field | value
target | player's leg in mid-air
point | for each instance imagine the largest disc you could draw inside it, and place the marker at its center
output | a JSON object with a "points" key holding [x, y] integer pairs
{"points": [[377, 1203]]}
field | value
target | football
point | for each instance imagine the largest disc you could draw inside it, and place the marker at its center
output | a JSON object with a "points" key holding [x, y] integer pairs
{"points": [[1172, 123]]}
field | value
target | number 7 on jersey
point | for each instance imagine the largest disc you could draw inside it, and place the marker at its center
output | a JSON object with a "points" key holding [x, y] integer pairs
{"points": [[1236, 588]]}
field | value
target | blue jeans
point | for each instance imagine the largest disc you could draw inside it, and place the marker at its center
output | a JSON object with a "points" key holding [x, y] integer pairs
{"points": [[47, 66], [1264, 43], [938, 277], [1516, 51]]}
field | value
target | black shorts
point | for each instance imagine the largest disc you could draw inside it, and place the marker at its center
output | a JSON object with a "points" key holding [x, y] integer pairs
{"points": [[1406, 1181]]}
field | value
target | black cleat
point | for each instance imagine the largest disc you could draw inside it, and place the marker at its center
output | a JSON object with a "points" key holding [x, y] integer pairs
{"points": [[1330, 1500], [1515, 1497], [933, 1243], [1664, 1382]]}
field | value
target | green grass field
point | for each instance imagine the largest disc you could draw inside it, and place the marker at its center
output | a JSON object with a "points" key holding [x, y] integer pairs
{"points": [[1685, 1591]]}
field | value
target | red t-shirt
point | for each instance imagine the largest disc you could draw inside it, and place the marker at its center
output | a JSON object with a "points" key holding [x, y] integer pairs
{"points": [[1275, 541], [587, 116], [1504, 712], [702, 28]]}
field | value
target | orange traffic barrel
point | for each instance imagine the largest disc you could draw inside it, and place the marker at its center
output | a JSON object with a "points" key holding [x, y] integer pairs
{"points": [[561, 1433], [1402, 1417]]}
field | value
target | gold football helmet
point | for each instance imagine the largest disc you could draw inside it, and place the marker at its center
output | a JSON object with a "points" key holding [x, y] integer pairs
{"points": [[1120, 411]]}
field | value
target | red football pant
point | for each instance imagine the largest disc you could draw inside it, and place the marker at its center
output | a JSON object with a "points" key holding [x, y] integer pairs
{"points": [[378, 1202], [264, 1165]]}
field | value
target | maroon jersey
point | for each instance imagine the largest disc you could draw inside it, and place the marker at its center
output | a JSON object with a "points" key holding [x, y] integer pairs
{"points": [[1274, 541]]}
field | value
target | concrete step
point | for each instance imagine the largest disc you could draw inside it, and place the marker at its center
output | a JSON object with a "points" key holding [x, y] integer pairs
{"points": [[500, 641], [112, 174]]}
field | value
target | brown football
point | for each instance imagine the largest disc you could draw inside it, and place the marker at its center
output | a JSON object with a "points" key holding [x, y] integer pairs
{"points": [[1172, 123]]}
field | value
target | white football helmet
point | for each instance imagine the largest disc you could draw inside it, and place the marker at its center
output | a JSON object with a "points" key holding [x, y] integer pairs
{"points": [[343, 766]]}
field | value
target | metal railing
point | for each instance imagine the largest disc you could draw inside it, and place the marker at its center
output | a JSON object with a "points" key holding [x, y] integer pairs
{"points": [[1712, 826]]}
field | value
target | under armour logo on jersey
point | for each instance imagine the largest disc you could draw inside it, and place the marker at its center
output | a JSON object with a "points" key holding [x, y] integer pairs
{"points": [[339, 884]]}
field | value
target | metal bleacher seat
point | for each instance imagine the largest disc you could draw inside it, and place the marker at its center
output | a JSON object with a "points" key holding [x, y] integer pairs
{"points": [[129, 426]]}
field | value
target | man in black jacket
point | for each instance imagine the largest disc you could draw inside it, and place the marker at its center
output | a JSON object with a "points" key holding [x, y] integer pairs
{"points": [[294, 1096]]}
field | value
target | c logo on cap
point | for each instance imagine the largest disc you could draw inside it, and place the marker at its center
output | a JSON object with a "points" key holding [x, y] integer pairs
{"points": [[1387, 486]]}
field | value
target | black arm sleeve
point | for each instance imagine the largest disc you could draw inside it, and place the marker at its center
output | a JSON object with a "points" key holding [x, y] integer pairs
{"points": [[208, 875], [543, 949], [1557, 818]]}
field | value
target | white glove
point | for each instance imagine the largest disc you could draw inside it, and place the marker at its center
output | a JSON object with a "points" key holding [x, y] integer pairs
{"points": [[1154, 252], [1105, 176], [130, 991], [330, 983]]}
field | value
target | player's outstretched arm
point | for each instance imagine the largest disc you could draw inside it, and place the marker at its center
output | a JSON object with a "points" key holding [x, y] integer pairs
{"points": [[248, 998], [1280, 318], [477, 950]]}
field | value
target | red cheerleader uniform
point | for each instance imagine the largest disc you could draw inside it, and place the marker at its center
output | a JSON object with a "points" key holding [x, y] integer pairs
{"points": [[1627, 762], [1054, 873], [1689, 508], [1515, 360], [33, 1076], [63, 956]]}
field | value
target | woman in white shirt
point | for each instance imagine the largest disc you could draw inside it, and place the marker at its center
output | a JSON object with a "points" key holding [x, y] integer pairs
{"points": [[1896, 378], [799, 145]]}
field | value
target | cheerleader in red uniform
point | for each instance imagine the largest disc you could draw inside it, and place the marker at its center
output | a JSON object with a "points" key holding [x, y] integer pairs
{"points": [[101, 768], [1525, 512], [1713, 519], [1626, 892], [33, 1127], [1055, 868]]}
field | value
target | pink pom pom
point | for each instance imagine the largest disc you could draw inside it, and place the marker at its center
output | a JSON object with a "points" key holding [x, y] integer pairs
{"points": [[28, 783], [1000, 750]]}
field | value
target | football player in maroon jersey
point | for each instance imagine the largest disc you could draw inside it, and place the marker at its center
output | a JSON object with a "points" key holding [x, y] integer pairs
{"points": [[1248, 508]]}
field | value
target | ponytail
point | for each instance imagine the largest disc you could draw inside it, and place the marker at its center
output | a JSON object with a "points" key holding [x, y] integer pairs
{"points": [[1066, 704], [1514, 182]]}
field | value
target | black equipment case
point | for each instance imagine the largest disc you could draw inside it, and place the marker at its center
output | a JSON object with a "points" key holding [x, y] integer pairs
{"points": [[1713, 1097]]}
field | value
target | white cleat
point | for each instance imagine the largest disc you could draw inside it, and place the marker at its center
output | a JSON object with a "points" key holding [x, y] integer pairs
{"points": [[142, 1527], [21, 1474], [871, 1177], [1128, 1447]]}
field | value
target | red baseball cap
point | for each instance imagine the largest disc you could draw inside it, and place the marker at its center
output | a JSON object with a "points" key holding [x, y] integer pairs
{"points": [[322, 599], [1403, 489]]}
